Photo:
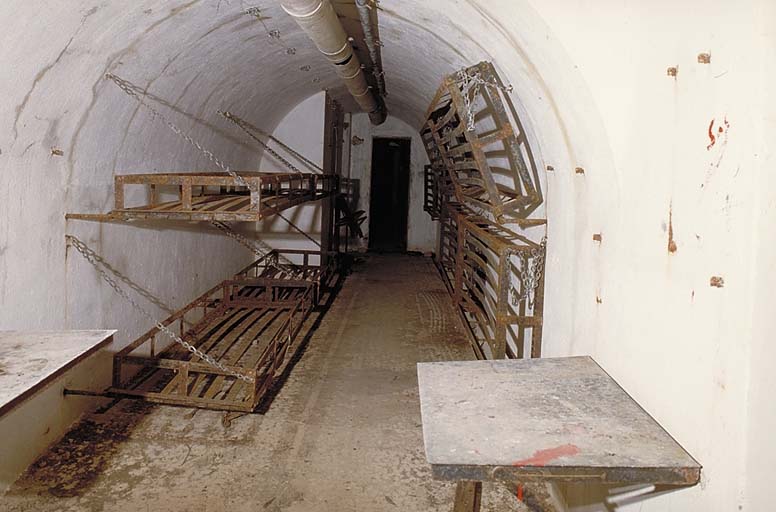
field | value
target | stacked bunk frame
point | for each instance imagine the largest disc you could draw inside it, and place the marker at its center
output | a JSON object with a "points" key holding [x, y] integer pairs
{"points": [[483, 188]]}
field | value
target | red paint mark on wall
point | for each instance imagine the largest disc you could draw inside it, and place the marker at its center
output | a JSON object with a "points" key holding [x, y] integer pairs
{"points": [[543, 457], [712, 138], [720, 130]]}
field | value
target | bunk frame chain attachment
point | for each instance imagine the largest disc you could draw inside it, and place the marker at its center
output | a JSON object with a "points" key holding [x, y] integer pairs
{"points": [[249, 130], [466, 80], [532, 269], [96, 260], [262, 250], [131, 91]]}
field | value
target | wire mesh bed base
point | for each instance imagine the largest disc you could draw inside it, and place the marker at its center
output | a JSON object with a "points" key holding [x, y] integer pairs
{"points": [[250, 324]]}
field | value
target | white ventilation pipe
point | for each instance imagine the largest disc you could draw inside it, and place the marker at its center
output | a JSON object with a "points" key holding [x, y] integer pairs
{"points": [[319, 21]]}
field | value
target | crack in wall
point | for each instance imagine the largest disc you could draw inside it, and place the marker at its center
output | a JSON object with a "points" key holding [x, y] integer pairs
{"points": [[109, 66], [43, 72]]}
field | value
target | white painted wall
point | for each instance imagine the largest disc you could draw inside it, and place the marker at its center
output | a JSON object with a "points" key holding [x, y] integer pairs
{"points": [[680, 346], [591, 86], [421, 230], [302, 130]]}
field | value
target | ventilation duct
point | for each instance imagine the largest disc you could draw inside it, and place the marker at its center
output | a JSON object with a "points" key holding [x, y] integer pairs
{"points": [[319, 21]]}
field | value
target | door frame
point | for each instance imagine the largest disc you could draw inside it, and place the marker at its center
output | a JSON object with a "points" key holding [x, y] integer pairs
{"points": [[405, 237]]}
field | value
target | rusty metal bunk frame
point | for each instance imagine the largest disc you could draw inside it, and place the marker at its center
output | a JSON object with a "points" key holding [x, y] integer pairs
{"points": [[482, 177], [483, 264], [249, 323], [439, 191], [214, 196], [473, 131]]}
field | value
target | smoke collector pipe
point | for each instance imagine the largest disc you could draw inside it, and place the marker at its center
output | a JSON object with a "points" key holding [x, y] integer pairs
{"points": [[319, 21]]}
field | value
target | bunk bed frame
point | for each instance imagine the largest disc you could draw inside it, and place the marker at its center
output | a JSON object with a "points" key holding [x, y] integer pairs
{"points": [[250, 323], [472, 130], [483, 187], [212, 196]]}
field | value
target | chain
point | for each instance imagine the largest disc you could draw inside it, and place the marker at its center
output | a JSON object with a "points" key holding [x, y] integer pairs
{"points": [[132, 91], [95, 259], [248, 128], [468, 79], [135, 287], [532, 268], [243, 125], [313, 240], [262, 250]]}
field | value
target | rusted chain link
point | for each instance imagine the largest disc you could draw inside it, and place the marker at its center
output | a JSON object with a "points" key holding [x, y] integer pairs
{"points": [[468, 80], [96, 261], [258, 247], [137, 94], [132, 91], [532, 268], [249, 130]]}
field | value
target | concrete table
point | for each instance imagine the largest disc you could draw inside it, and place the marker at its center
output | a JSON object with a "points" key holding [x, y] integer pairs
{"points": [[30, 360], [538, 422], [35, 367]]}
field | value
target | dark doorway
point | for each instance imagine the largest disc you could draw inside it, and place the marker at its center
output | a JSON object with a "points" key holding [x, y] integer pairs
{"points": [[390, 194]]}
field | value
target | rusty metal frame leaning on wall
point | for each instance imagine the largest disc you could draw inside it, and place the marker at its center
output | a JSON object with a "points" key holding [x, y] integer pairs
{"points": [[473, 131], [484, 263], [477, 258]]}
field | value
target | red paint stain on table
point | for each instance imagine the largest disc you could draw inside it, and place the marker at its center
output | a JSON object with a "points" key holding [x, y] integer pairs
{"points": [[543, 457]]}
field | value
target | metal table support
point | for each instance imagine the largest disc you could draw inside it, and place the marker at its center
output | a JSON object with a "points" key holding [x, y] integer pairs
{"points": [[535, 423]]}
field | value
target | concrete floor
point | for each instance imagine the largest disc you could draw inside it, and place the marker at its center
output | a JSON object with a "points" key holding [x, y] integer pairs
{"points": [[343, 434]]}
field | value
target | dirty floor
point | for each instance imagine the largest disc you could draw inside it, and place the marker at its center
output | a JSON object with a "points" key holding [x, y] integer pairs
{"points": [[343, 433]]}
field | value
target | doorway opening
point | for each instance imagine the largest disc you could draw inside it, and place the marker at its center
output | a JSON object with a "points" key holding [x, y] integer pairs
{"points": [[390, 192]]}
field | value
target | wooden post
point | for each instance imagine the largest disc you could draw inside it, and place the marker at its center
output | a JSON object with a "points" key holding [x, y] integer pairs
{"points": [[468, 496]]}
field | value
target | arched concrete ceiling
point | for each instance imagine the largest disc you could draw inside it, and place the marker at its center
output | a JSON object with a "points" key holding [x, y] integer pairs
{"points": [[68, 130], [202, 55]]}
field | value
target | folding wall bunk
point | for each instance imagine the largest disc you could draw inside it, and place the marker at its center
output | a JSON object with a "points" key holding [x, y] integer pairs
{"points": [[227, 348], [249, 323], [483, 187]]}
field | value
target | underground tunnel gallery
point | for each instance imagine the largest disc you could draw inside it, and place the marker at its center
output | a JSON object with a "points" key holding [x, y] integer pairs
{"points": [[378, 255]]}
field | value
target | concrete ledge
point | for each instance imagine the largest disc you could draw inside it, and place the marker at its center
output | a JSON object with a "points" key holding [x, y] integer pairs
{"points": [[35, 368]]}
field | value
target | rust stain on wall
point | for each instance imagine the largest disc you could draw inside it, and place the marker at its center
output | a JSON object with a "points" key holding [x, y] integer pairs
{"points": [[671, 242], [717, 281]]}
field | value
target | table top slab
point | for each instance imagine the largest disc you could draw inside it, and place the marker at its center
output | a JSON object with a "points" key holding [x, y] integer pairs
{"points": [[30, 359], [557, 414]]}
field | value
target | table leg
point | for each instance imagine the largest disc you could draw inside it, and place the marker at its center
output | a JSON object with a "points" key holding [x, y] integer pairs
{"points": [[468, 496], [541, 497]]}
